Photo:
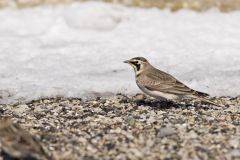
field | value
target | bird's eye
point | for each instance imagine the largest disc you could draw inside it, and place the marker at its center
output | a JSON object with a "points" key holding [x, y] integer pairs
{"points": [[135, 62]]}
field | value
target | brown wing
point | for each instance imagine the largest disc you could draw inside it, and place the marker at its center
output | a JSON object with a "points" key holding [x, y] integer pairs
{"points": [[163, 82]]}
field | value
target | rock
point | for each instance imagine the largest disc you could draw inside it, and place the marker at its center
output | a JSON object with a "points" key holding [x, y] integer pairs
{"points": [[139, 97], [21, 110], [235, 154], [235, 109], [192, 134], [39, 109], [235, 142], [166, 131], [16, 142], [130, 121], [95, 104]]}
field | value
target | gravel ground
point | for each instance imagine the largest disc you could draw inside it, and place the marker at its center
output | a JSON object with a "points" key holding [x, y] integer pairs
{"points": [[124, 127]]}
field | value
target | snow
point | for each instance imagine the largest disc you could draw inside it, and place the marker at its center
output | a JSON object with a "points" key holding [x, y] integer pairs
{"points": [[78, 50]]}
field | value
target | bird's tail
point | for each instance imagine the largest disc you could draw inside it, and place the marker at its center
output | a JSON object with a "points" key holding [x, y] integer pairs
{"points": [[200, 94], [209, 101]]}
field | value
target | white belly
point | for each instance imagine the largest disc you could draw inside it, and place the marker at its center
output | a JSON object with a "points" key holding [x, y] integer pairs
{"points": [[157, 94]]}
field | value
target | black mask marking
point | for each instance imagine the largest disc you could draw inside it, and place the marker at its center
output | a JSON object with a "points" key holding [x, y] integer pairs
{"points": [[137, 65]]}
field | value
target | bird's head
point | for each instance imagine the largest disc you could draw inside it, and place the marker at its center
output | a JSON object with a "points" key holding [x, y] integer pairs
{"points": [[139, 64]]}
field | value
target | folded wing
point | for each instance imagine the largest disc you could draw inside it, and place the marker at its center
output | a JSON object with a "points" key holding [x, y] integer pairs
{"points": [[163, 82]]}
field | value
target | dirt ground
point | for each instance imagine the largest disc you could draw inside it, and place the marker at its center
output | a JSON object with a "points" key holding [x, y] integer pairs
{"points": [[173, 5]]}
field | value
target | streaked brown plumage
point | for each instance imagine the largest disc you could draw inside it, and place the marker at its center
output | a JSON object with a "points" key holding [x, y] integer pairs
{"points": [[154, 79], [159, 84]]}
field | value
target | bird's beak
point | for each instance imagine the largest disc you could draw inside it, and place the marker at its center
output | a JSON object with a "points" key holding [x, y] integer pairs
{"points": [[127, 61]]}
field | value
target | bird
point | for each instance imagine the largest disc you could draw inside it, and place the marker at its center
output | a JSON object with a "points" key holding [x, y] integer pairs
{"points": [[18, 143], [162, 85]]}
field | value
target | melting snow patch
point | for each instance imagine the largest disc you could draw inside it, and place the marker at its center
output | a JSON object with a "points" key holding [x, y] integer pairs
{"points": [[77, 50]]}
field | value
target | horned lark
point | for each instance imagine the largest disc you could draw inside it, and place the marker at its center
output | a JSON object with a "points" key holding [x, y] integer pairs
{"points": [[159, 84], [18, 143]]}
